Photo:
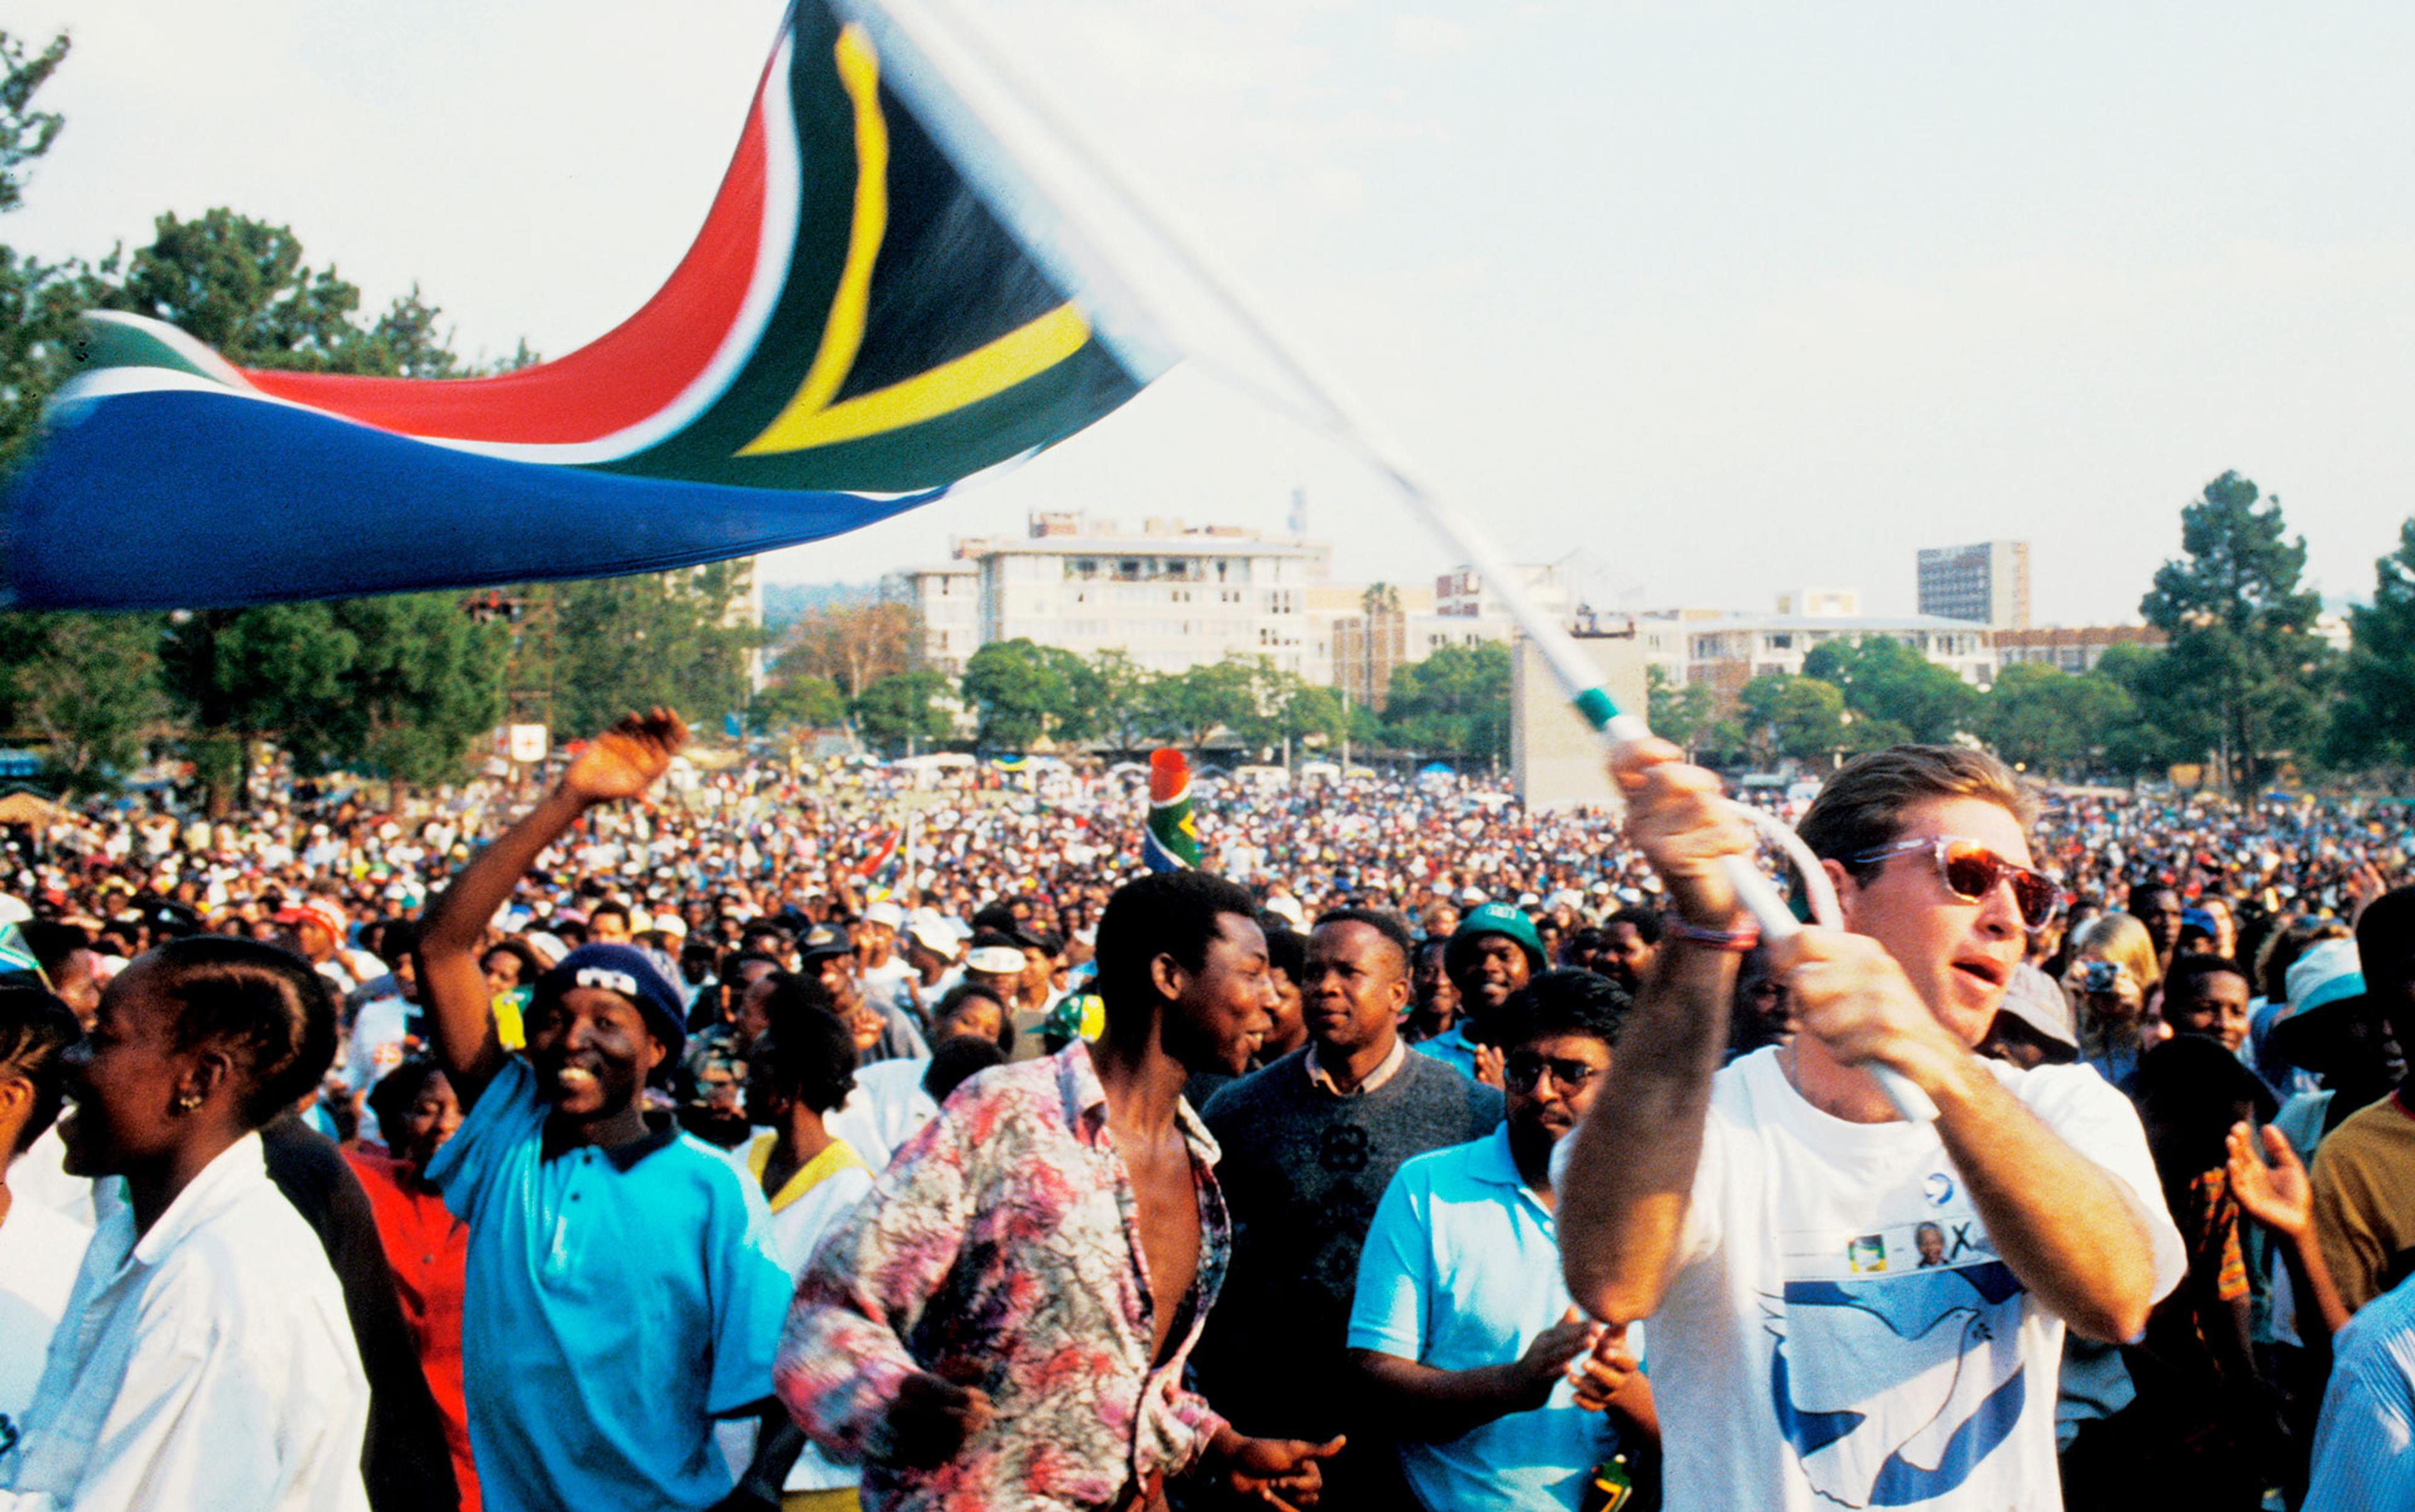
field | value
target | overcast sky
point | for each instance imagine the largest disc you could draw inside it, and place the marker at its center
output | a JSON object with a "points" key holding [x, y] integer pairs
{"points": [[1729, 297]]}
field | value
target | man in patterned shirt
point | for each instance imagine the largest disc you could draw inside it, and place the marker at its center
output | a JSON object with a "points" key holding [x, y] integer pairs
{"points": [[1004, 1321]]}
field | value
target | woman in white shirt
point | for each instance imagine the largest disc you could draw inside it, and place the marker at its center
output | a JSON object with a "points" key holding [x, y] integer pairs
{"points": [[206, 1361], [893, 1099], [39, 1247], [810, 1179]]}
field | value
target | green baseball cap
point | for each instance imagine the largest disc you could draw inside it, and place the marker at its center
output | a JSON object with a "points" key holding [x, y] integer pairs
{"points": [[1495, 919]]}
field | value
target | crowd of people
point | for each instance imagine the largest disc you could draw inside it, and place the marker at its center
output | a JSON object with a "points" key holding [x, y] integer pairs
{"points": [[687, 1137]]}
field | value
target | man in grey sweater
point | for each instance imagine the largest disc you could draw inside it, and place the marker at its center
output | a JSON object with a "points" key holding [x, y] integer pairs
{"points": [[1310, 1143]]}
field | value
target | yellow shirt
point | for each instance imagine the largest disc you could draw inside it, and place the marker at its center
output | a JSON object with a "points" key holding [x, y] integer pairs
{"points": [[2364, 1197]]}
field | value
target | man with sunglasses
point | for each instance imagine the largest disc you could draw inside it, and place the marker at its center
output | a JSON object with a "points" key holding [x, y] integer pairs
{"points": [[1460, 1331], [1767, 1216]]}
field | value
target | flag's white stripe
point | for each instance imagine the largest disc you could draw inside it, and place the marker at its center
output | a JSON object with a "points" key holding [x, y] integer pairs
{"points": [[78, 392]]}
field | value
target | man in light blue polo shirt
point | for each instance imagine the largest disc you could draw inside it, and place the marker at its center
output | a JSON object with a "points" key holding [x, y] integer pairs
{"points": [[1460, 1327], [622, 1290]]}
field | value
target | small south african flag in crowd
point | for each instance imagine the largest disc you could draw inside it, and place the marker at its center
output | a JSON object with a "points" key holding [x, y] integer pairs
{"points": [[1172, 841], [885, 868]]}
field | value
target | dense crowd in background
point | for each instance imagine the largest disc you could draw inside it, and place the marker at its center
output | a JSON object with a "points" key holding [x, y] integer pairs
{"points": [[813, 961]]}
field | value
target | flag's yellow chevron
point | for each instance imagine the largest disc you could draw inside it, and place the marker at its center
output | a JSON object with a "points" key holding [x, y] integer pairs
{"points": [[810, 419]]}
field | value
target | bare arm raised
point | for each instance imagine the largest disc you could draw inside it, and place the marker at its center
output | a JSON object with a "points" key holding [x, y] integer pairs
{"points": [[621, 763], [1630, 1168]]}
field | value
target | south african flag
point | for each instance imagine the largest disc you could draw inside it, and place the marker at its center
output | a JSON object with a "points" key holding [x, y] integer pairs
{"points": [[1172, 841], [881, 304]]}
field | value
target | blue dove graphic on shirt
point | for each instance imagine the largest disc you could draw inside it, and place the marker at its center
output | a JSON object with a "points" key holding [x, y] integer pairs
{"points": [[1892, 1388]]}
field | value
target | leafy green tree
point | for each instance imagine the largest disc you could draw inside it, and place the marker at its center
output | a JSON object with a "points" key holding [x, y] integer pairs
{"points": [[1802, 717], [673, 638], [2373, 724], [1130, 712], [89, 685], [1017, 690], [1196, 702], [2050, 720], [2166, 726], [238, 676], [1266, 721], [2242, 646], [25, 133], [240, 286], [799, 702], [422, 687], [1894, 692], [1312, 714], [38, 301], [1080, 714], [903, 708], [1678, 715], [1367, 730], [1456, 702]]}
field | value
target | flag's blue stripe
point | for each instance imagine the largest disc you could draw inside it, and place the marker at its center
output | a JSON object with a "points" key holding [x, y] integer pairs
{"points": [[176, 498]]}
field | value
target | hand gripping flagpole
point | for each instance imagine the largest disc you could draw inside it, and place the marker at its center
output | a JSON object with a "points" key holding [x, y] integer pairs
{"points": [[1348, 424]]}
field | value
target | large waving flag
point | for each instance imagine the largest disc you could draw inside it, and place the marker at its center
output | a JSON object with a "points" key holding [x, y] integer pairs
{"points": [[881, 304]]}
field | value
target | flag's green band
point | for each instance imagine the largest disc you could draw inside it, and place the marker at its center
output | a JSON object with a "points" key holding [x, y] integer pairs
{"points": [[1596, 706]]}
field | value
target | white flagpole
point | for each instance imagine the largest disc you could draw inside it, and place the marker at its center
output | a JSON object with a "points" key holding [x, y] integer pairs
{"points": [[1350, 425]]}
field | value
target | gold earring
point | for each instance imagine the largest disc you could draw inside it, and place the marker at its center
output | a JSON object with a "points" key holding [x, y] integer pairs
{"points": [[187, 1101]]}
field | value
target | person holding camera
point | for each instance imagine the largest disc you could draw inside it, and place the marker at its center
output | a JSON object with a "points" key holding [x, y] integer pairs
{"points": [[2113, 970]]}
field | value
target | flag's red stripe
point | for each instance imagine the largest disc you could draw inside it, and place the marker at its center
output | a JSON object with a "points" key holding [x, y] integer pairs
{"points": [[618, 380], [1167, 773]]}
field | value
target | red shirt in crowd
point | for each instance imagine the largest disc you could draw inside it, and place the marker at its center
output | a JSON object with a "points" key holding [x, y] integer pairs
{"points": [[426, 1246]]}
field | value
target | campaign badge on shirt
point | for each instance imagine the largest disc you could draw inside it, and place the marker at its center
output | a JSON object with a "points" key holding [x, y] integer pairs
{"points": [[1898, 1367]]}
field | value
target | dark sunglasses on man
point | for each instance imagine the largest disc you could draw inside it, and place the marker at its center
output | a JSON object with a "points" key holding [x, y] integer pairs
{"points": [[1523, 1071], [1971, 872]]}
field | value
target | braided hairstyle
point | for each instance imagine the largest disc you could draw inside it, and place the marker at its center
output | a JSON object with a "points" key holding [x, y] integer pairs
{"points": [[264, 1004], [36, 1030]]}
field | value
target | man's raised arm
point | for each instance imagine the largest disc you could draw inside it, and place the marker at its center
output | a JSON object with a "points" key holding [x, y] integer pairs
{"points": [[1630, 1167], [623, 762]]}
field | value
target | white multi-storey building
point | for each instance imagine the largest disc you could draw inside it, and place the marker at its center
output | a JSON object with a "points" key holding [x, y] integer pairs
{"points": [[1461, 593], [948, 598], [1168, 595], [1729, 651]]}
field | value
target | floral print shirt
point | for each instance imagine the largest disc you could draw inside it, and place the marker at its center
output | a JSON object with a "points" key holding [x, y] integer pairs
{"points": [[1001, 1250]]}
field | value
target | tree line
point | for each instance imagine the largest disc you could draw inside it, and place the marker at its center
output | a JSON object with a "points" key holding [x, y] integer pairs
{"points": [[2244, 686], [859, 666]]}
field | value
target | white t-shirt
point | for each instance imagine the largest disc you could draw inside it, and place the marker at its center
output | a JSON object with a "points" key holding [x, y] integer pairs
{"points": [[41, 1177], [884, 985], [825, 1190], [887, 1108], [1806, 1358], [40, 1251], [206, 1362], [374, 1046]]}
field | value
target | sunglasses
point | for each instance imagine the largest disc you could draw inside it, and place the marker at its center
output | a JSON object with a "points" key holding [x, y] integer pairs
{"points": [[1524, 1071], [1971, 872]]}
